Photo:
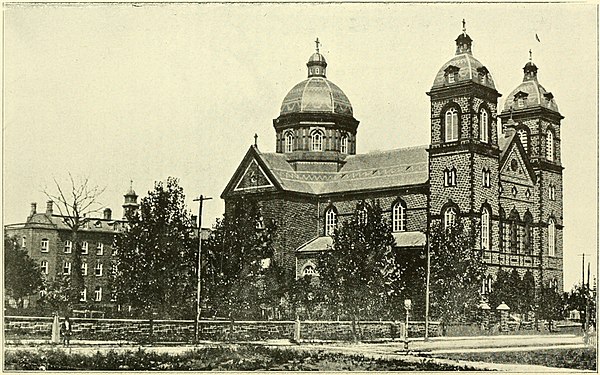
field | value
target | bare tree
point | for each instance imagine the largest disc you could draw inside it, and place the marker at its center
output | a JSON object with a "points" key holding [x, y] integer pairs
{"points": [[75, 201]]}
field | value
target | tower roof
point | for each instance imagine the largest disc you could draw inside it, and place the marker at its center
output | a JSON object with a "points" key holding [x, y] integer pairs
{"points": [[316, 94], [530, 93], [463, 66]]}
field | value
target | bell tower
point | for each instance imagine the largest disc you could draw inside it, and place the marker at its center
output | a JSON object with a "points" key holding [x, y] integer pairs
{"points": [[464, 153]]}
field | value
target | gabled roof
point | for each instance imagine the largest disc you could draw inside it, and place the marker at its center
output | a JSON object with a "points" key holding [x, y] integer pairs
{"points": [[373, 170], [509, 141]]}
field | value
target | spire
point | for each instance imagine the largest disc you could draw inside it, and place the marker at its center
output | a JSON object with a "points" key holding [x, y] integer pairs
{"points": [[530, 69], [316, 63], [464, 41]]}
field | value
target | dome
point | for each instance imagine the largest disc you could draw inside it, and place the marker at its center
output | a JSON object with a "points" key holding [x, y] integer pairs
{"points": [[469, 69], [316, 94], [317, 57], [533, 94]]}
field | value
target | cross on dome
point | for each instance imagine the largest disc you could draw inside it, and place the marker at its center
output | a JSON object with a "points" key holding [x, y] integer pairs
{"points": [[464, 27], [317, 44]]}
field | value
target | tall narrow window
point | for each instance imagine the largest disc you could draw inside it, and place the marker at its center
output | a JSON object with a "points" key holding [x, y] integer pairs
{"points": [[98, 294], [84, 269], [289, 141], [451, 125], [83, 295], [450, 177], [552, 192], [317, 140], [449, 217], [485, 229], [44, 246], [551, 237], [44, 267], [100, 249], [550, 146], [362, 216], [68, 246], [330, 221], [527, 240], [23, 242], [344, 144], [484, 126], [84, 247], [486, 178], [98, 269], [524, 138], [399, 217]]}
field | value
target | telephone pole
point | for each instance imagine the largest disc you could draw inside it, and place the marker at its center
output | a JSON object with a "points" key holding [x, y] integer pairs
{"points": [[200, 200], [584, 292]]}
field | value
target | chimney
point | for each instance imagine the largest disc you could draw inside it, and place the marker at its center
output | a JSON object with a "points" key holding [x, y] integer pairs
{"points": [[49, 209], [33, 208], [107, 213]]}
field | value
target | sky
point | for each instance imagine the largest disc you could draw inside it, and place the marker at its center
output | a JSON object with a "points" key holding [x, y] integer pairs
{"points": [[122, 92]]}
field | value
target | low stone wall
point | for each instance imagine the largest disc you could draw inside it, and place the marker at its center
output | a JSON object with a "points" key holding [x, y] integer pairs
{"points": [[213, 330]]}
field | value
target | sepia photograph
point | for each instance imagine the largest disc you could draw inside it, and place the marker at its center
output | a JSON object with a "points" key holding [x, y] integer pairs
{"points": [[300, 186]]}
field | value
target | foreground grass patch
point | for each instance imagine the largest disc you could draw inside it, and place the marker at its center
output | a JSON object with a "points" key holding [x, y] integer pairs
{"points": [[581, 359], [238, 358]]}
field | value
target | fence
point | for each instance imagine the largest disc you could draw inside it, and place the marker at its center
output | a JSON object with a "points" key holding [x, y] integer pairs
{"points": [[212, 330]]}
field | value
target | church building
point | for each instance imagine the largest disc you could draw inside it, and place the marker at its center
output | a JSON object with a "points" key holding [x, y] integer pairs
{"points": [[505, 181]]}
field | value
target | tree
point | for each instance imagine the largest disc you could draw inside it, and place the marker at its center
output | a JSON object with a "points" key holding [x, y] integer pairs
{"points": [[456, 273], [358, 272], [578, 297], [157, 255], [551, 305], [503, 291], [75, 202], [22, 276], [238, 255]]}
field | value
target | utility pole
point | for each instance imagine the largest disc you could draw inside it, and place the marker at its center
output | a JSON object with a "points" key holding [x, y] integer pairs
{"points": [[428, 273], [200, 200], [584, 292]]}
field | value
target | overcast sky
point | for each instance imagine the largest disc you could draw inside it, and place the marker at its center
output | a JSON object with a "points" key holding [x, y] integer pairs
{"points": [[120, 92]]}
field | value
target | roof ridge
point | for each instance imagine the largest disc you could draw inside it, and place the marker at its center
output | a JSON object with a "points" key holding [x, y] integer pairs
{"points": [[392, 150]]}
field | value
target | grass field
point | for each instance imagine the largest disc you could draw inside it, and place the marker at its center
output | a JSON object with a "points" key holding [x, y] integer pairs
{"points": [[581, 359], [240, 358]]}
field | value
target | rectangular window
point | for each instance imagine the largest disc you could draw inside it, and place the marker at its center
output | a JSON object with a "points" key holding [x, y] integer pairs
{"points": [[68, 246], [23, 242], [98, 269], [66, 268], [100, 249], [83, 295], [98, 294], [84, 269], [84, 248], [44, 267], [451, 78], [44, 248]]}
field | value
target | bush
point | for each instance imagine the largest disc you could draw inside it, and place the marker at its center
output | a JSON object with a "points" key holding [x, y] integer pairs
{"points": [[234, 358]]}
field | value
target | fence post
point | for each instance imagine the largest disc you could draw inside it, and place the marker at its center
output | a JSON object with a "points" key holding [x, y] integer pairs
{"points": [[55, 330], [297, 329]]}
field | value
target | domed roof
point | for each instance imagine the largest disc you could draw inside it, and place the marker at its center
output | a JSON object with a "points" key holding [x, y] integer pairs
{"points": [[316, 94], [469, 69], [533, 94], [463, 67]]}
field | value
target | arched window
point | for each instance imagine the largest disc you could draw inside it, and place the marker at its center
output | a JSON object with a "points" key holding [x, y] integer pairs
{"points": [[527, 240], [551, 237], [399, 217], [485, 229], [344, 144], [550, 146], [451, 125], [317, 140], [449, 217], [524, 138], [484, 126], [289, 141], [309, 270], [330, 221]]}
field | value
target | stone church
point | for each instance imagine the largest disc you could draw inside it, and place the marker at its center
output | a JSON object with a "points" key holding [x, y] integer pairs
{"points": [[506, 181]]}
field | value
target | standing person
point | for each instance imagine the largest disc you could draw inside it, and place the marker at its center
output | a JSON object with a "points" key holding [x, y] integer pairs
{"points": [[65, 331]]}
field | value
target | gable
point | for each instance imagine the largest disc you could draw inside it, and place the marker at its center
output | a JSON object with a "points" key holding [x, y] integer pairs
{"points": [[253, 177], [514, 167]]}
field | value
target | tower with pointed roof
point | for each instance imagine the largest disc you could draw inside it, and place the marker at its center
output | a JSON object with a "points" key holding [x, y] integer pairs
{"points": [[463, 154], [316, 128], [130, 203], [531, 115]]}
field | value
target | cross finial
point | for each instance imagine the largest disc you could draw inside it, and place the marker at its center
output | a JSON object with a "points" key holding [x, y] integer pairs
{"points": [[317, 44], [464, 26], [530, 58], [255, 140], [131, 184]]}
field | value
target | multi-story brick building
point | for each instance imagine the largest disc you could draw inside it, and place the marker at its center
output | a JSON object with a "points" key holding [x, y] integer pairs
{"points": [[504, 182], [48, 240]]}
